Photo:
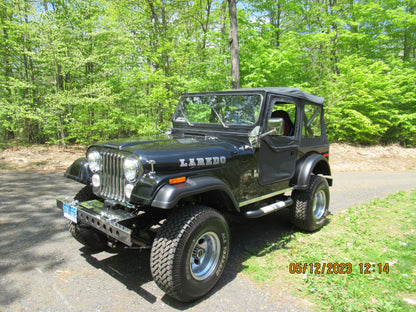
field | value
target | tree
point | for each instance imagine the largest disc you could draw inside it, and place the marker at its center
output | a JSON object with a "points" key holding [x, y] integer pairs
{"points": [[233, 39], [75, 71]]}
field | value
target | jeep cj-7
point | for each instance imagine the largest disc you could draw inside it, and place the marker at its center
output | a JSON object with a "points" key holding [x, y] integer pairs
{"points": [[246, 152]]}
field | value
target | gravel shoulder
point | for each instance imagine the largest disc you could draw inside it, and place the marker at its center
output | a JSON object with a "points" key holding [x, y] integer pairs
{"points": [[390, 158]]}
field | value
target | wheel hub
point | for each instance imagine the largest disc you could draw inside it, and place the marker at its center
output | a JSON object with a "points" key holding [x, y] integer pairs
{"points": [[205, 255], [200, 253], [319, 204]]}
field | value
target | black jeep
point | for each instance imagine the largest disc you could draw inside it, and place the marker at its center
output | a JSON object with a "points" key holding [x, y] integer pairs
{"points": [[247, 152]]}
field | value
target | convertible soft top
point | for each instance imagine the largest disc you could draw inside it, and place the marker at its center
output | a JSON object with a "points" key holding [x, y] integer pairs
{"points": [[293, 92], [285, 91]]}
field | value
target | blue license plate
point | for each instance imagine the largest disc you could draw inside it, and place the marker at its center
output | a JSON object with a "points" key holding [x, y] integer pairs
{"points": [[70, 213]]}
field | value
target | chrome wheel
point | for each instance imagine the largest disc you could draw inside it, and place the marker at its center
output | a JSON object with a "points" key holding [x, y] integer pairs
{"points": [[205, 255], [319, 204]]}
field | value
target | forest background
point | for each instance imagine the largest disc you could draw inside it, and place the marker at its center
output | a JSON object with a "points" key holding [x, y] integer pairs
{"points": [[76, 71]]}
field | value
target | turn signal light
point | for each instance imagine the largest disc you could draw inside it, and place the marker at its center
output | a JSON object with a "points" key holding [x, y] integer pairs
{"points": [[177, 180]]}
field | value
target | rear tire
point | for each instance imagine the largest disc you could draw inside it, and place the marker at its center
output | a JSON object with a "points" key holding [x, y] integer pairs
{"points": [[91, 238], [190, 252], [310, 208]]}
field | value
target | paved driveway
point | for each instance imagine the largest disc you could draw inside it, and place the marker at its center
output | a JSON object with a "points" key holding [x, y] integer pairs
{"points": [[42, 268]]}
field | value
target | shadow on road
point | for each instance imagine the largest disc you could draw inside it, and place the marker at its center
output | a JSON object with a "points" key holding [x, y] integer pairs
{"points": [[130, 267], [249, 237], [28, 220]]}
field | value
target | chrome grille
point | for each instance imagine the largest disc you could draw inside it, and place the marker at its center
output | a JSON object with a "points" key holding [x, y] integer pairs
{"points": [[112, 176]]}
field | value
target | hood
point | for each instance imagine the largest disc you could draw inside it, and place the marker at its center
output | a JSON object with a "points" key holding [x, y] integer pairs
{"points": [[173, 154]]}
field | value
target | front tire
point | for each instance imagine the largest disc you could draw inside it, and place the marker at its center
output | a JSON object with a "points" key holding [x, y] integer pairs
{"points": [[310, 208], [190, 252]]}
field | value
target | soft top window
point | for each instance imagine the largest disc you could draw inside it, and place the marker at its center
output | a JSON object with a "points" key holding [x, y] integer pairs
{"points": [[288, 113], [311, 127]]}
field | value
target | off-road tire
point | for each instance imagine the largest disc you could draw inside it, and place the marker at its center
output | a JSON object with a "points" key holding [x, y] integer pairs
{"points": [[92, 239], [174, 261], [303, 214]]}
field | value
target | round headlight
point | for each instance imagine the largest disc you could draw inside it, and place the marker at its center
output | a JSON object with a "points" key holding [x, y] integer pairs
{"points": [[131, 169], [94, 160]]}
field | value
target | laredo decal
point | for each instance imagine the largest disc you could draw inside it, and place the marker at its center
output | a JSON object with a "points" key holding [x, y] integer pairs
{"points": [[201, 162]]}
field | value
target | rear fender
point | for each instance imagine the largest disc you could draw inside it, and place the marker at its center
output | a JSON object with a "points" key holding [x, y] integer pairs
{"points": [[311, 164], [79, 171]]}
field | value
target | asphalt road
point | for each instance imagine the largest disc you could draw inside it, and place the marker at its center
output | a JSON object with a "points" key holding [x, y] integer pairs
{"points": [[42, 268]]}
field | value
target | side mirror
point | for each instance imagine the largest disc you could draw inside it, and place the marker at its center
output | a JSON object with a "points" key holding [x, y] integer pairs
{"points": [[275, 126]]}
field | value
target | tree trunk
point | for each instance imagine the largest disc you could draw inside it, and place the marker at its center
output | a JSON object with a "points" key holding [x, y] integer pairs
{"points": [[276, 19], [233, 39]]}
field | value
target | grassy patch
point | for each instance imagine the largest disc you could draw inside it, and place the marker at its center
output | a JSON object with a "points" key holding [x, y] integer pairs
{"points": [[381, 233]]}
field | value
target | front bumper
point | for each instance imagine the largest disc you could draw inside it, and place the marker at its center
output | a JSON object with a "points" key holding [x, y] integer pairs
{"points": [[106, 220]]}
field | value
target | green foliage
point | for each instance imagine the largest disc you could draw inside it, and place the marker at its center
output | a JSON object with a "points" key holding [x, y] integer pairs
{"points": [[79, 71], [353, 54], [372, 103]]}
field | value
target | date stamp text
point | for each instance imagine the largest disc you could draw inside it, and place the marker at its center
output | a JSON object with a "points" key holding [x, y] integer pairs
{"points": [[337, 268]]}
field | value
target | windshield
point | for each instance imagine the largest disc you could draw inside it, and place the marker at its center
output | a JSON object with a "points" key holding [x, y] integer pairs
{"points": [[219, 109]]}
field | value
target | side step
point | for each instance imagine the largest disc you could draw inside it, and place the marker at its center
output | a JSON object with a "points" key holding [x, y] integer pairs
{"points": [[269, 209]]}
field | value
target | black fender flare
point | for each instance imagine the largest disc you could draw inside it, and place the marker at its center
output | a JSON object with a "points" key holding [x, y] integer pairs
{"points": [[79, 171], [308, 165], [169, 195]]}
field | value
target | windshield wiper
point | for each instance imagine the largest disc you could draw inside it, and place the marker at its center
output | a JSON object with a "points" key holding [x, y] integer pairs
{"points": [[219, 117], [184, 116]]}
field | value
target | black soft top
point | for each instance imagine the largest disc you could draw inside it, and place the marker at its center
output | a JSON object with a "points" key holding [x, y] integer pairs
{"points": [[293, 92], [285, 91]]}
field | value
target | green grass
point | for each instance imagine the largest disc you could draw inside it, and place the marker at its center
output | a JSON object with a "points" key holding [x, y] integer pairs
{"points": [[381, 231]]}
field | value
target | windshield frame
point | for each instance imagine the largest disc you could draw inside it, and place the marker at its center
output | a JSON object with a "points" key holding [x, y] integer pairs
{"points": [[218, 125]]}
